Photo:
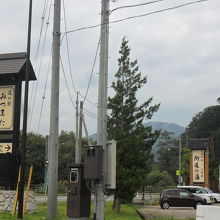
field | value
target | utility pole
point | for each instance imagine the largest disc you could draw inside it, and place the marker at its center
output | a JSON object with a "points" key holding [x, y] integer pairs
{"points": [[102, 105], [219, 177], [86, 131], [77, 131], [80, 130], [79, 144], [180, 167], [24, 130], [54, 115]]}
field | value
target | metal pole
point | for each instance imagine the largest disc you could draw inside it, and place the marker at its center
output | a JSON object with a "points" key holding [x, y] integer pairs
{"points": [[219, 178], [46, 166], [86, 131], [78, 150], [24, 130], [80, 131], [180, 159], [77, 131], [102, 104], [54, 116]]}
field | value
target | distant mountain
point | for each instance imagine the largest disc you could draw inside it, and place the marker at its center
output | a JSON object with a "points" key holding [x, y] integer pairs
{"points": [[175, 128], [172, 127]]}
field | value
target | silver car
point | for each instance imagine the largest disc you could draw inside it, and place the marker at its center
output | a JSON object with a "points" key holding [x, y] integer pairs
{"points": [[199, 191], [216, 196]]}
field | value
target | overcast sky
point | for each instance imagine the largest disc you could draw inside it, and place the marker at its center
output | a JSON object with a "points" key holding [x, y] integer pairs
{"points": [[178, 50]]}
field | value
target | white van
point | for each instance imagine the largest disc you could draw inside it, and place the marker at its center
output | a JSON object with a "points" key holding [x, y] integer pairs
{"points": [[199, 191]]}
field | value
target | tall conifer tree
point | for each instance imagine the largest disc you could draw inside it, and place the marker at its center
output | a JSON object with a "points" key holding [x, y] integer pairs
{"points": [[125, 125]]}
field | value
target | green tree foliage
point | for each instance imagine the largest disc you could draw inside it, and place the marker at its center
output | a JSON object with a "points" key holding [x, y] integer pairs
{"points": [[35, 155], [125, 125], [206, 124], [156, 178], [185, 164], [168, 154], [66, 153]]}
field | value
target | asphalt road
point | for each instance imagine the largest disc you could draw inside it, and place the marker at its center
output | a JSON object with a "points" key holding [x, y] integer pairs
{"points": [[176, 212], [42, 199]]}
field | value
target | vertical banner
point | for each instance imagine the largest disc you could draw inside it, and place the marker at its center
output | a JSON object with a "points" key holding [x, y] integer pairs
{"points": [[198, 158], [7, 97]]}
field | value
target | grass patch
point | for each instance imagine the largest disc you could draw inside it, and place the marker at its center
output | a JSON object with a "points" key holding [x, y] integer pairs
{"points": [[128, 212]]}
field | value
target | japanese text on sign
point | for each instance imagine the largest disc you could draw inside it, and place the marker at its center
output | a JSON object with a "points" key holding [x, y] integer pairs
{"points": [[6, 107], [198, 165]]}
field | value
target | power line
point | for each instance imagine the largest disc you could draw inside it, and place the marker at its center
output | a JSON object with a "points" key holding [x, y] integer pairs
{"points": [[67, 46], [69, 63], [95, 105], [136, 5], [87, 111], [39, 70], [44, 93], [35, 62], [62, 67], [93, 66], [132, 17], [89, 114], [41, 29], [155, 12]]}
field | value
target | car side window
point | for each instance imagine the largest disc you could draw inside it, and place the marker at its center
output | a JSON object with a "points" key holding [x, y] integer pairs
{"points": [[173, 192], [184, 194], [193, 190]]}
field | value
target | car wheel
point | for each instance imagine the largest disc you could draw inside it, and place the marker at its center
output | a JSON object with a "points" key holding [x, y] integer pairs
{"points": [[215, 200], [198, 203], [165, 205]]}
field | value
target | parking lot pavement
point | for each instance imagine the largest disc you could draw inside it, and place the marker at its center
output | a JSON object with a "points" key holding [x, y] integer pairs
{"points": [[176, 212]]}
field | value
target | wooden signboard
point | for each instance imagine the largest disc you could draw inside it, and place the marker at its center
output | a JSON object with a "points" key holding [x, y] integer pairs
{"points": [[7, 98], [199, 161]]}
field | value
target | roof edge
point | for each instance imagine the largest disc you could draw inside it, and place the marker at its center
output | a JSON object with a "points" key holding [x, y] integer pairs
{"points": [[13, 55]]}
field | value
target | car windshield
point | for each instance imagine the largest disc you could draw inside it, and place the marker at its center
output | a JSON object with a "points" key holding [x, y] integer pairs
{"points": [[201, 190], [209, 190]]}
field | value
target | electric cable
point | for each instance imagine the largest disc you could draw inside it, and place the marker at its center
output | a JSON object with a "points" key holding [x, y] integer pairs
{"points": [[41, 30], [95, 105], [89, 113], [39, 69], [93, 66], [62, 67], [136, 5], [35, 62], [132, 17], [158, 11], [67, 46], [68, 56], [44, 92]]}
